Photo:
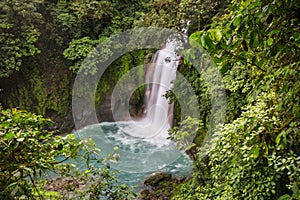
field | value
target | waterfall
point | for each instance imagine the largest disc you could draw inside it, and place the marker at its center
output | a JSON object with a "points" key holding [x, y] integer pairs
{"points": [[158, 113], [160, 74], [143, 144]]}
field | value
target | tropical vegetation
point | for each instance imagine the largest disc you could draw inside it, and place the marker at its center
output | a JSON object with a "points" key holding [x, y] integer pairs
{"points": [[254, 45]]}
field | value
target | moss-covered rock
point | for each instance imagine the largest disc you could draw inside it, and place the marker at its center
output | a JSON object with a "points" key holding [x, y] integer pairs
{"points": [[159, 186], [156, 178], [45, 90]]}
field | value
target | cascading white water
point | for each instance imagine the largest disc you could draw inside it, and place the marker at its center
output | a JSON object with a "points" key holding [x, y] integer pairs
{"points": [[160, 74], [158, 113]]}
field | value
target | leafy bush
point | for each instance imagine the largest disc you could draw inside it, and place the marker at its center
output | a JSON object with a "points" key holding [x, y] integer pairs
{"points": [[256, 155], [31, 158], [18, 33]]}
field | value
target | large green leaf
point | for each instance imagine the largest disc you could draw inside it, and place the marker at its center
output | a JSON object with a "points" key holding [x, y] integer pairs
{"points": [[206, 41], [196, 36], [215, 34], [9, 136]]}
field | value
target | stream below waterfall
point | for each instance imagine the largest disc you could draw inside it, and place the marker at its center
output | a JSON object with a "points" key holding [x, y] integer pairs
{"points": [[139, 157]]}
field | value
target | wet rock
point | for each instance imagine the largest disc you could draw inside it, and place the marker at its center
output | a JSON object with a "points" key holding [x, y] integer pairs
{"points": [[159, 186], [144, 193], [157, 177], [66, 186]]}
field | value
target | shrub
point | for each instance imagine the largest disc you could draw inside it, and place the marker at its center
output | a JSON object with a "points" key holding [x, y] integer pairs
{"points": [[31, 158]]}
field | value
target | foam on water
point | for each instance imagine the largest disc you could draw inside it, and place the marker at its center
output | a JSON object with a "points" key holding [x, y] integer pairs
{"points": [[139, 157]]}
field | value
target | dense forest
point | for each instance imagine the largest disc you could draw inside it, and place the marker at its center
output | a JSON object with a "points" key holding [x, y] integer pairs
{"points": [[254, 45]]}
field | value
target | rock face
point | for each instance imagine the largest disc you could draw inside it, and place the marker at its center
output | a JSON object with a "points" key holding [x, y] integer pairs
{"points": [[104, 110], [159, 186]]}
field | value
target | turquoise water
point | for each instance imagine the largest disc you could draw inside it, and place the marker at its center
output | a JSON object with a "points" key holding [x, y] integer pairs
{"points": [[139, 156]]}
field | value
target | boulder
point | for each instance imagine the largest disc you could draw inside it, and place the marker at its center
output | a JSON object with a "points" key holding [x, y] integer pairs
{"points": [[157, 177]]}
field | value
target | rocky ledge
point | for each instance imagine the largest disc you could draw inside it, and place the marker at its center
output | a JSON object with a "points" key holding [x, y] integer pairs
{"points": [[159, 186]]}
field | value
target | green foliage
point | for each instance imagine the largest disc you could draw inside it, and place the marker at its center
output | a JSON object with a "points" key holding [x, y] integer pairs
{"points": [[29, 154], [78, 19], [42, 83], [25, 151], [94, 19], [251, 163], [38, 92], [18, 33], [255, 45], [184, 134], [45, 39], [83, 49], [78, 50], [184, 15]]}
